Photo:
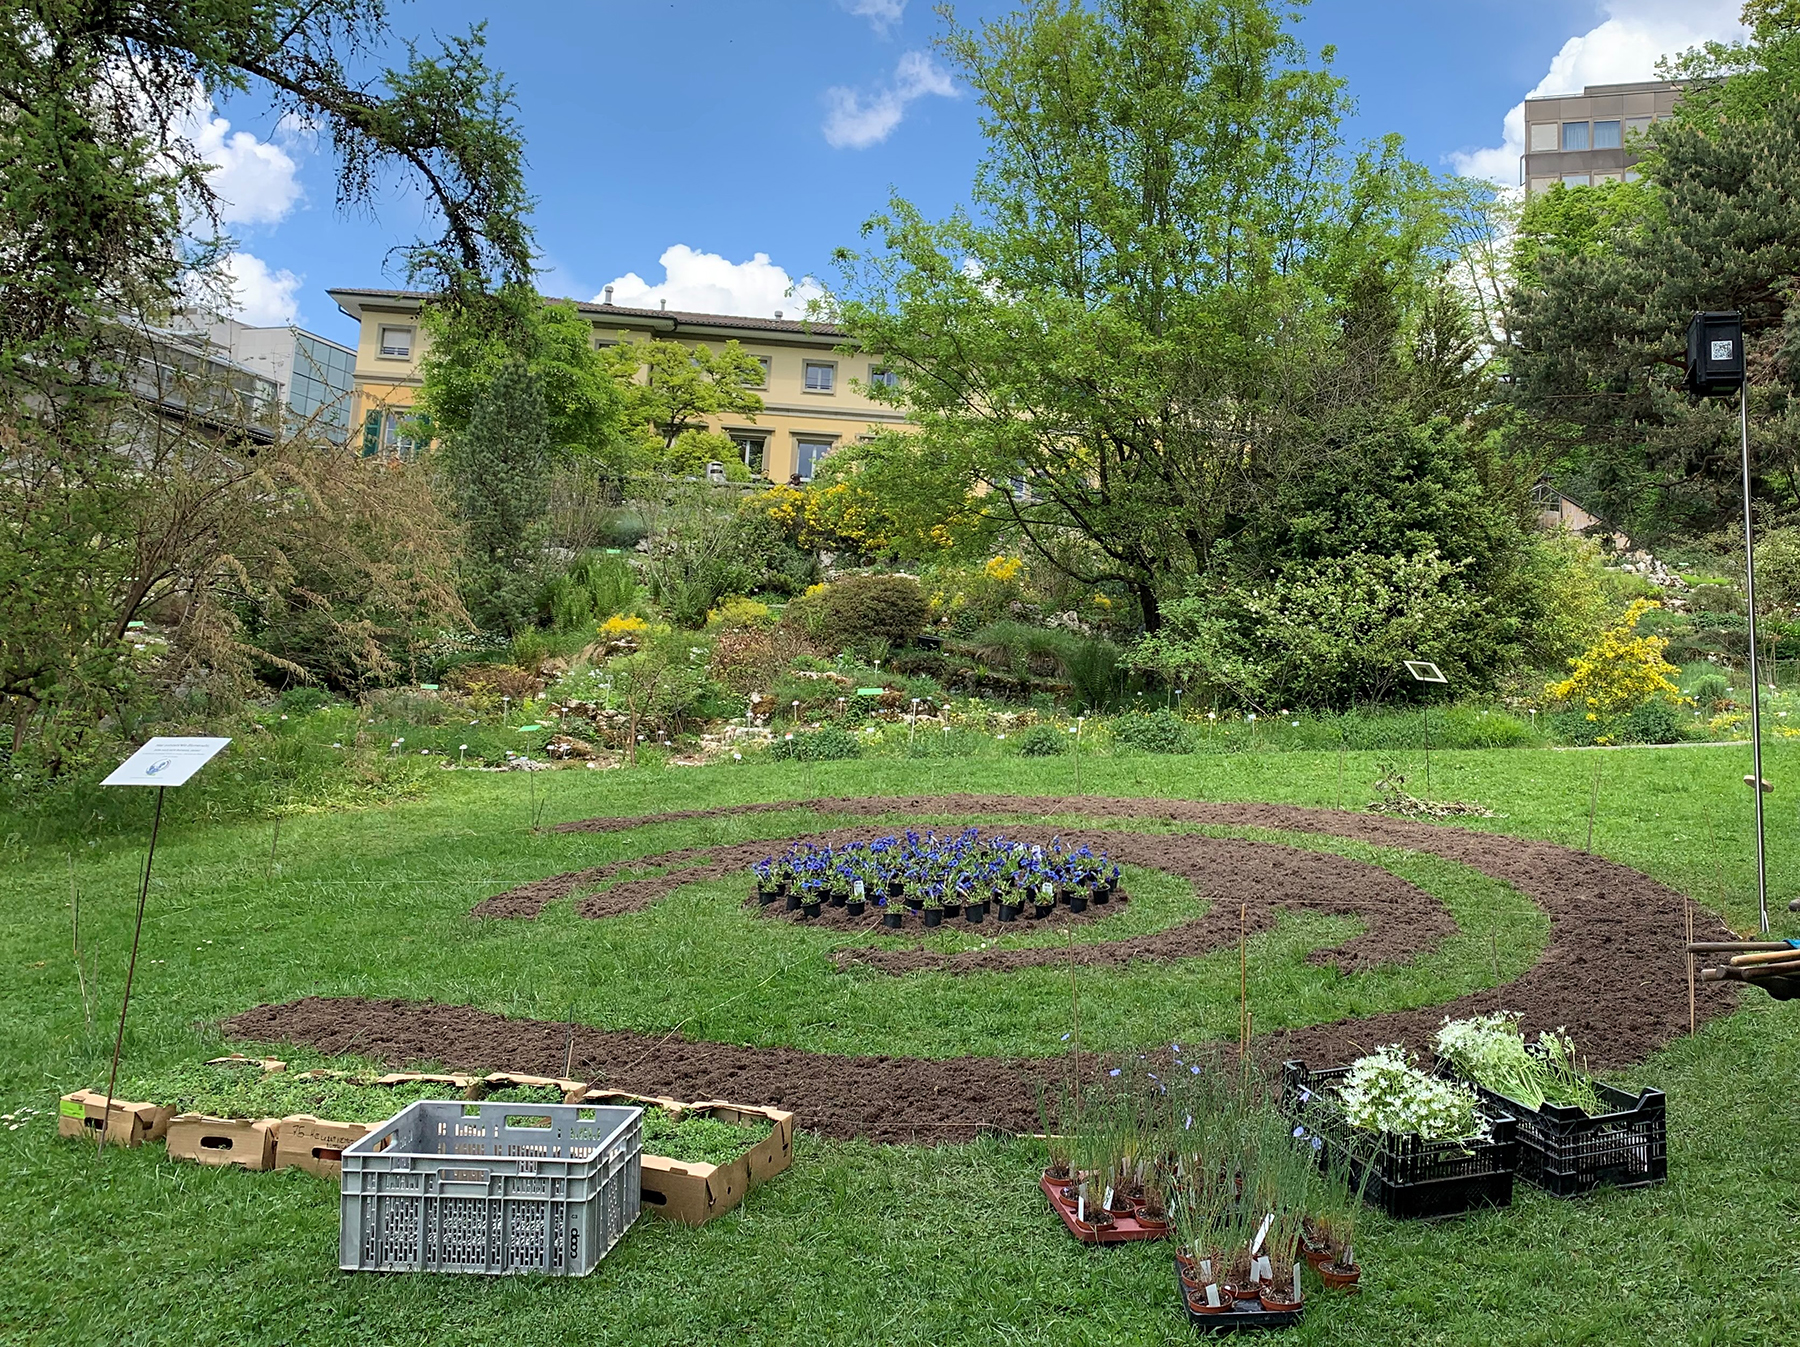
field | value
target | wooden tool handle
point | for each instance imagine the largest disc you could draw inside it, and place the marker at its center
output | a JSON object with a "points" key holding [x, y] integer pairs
{"points": [[1781, 955], [1721, 946], [1787, 968]]}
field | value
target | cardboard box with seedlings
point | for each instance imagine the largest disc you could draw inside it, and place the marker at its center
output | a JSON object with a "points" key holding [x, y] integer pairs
{"points": [[246, 1142], [129, 1124], [570, 1091], [693, 1192]]}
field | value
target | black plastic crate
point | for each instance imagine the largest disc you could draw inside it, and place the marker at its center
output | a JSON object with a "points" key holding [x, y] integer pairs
{"points": [[1412, 1178], [1238, 1318], [1568, 1153]]}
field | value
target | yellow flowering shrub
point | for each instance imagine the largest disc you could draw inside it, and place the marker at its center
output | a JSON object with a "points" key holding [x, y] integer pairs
{"points": [[837, 516], [1004, 569], [622, 624], [1620, 670]]}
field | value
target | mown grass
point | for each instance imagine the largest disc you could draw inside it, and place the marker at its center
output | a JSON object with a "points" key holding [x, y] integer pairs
{"points": [[859, 1243]]}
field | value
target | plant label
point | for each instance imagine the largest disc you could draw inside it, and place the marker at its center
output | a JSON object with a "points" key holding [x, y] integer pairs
{"points": [[1296, 1281], [1107, 1200], [1206, 1270], [857, 891], [1349, 1255], [1212, 1294], [1045, 891], [1081, 1205], [1261, 1233], [165, 761], [1261, 1271]]}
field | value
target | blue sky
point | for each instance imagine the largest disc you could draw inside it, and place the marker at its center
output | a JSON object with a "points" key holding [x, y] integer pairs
{"points": [[674, 143]]}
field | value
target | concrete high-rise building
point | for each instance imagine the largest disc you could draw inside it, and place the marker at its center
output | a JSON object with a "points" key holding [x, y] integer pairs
{"points": [[1586, 138], [316, 376]]}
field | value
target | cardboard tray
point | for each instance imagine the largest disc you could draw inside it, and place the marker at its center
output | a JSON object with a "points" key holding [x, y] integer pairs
{"points": [[1123, 1230], [694, 1193], [129, 1124], [316, 1144], [248, 1143]]}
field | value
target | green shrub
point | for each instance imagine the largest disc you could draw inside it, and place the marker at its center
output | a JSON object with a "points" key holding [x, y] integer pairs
{"points": [[1709, 690], [304, 701], [1654, 722], [594, 587], [823, 745], [866, 609], [1153, 732], [1042, 741]]}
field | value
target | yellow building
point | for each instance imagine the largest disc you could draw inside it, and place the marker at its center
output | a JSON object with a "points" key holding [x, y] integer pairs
{"points": [[812, 393]]}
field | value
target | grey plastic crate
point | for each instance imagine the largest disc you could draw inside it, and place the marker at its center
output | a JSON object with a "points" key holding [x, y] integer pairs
{"points": [[496, 1188]]}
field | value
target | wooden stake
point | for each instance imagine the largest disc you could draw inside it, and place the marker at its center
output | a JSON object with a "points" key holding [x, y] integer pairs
{"points": [[1243, 982], [1688, 904], [1593, 804], [1494, 946], [112, 1080], [1074, 1035], [274, 842]]}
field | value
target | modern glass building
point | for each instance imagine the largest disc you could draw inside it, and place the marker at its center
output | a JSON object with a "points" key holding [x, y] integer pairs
{"points": [[316, 376]]}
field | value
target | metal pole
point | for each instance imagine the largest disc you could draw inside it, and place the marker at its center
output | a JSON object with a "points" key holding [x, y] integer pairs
{"points": [[1762, 875], [130, 969]]}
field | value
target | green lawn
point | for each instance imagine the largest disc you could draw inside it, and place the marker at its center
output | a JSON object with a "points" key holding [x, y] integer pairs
{"points": [[859, 1243]]}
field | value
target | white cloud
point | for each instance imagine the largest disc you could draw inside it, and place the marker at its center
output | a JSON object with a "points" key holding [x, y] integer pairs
{"points": [[881, 14], [257, 181], [856, 121], [1623, 49], [698, 282], [259, 296]]}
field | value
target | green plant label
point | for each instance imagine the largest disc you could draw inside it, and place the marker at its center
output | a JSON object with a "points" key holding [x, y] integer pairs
{"points": [[526, 729], [73, 1108], [870, 692]]}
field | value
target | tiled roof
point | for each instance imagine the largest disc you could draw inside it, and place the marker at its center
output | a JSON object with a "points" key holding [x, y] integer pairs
{"points": [[677, 316]]}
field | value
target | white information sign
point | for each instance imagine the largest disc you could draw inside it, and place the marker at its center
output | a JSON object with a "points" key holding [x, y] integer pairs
{"points": [[1425, 671], [165, 762]]}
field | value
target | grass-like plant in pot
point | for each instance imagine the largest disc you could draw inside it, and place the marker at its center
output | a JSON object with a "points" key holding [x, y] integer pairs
{"points": [[1285, 1189]]}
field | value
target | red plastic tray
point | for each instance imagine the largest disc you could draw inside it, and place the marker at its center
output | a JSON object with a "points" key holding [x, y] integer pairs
{"points": [[1123, 1229]]}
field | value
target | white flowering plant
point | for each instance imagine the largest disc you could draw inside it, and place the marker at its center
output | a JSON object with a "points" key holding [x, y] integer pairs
{"points": [[1491, 1051], [1386, 1093]]}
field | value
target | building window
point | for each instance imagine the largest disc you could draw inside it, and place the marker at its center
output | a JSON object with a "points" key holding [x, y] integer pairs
{"points": [[807, 454], [396, 342], [750, 448], [762, 380], [1575, 180], [1632, 175], [1600, 178], [1575, 135], [395, 443], [1607, 136], [821, 376], [882, 377], [1542, 185], [1543, 137], [1638, 126]]}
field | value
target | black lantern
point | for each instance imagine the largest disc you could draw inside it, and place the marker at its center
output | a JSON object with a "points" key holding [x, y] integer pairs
{"points": [[1715, 354]]}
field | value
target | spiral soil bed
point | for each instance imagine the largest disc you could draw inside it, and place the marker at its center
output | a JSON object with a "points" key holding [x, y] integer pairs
{"points": [[1613, 971]]}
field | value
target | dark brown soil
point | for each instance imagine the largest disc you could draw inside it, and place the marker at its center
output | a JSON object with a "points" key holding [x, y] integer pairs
{"points": [[1243, 882], [1614, 973]]}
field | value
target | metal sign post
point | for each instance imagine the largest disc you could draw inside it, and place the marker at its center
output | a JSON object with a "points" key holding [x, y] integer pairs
{"points": [[1716, 367], [163, 762], [1424, 671]]}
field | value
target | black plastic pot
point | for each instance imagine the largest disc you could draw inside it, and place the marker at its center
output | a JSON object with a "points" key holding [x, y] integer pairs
{"points": [[1007, 912], [891, 918], [765, 896], [975, 912], [791, 902], [855, 907], [1101, 895], [895, 888], [1042, 910], [838, 898], [1077, 903], [981, 903], [934, 916], [914, 904], [811, 909], [953, 909]]}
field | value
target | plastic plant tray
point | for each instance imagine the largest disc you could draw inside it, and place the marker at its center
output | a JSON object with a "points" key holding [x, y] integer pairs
{"points": [[1123, 1230], [1569, 1154], [1237, 1319], [1413, 1178]]}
